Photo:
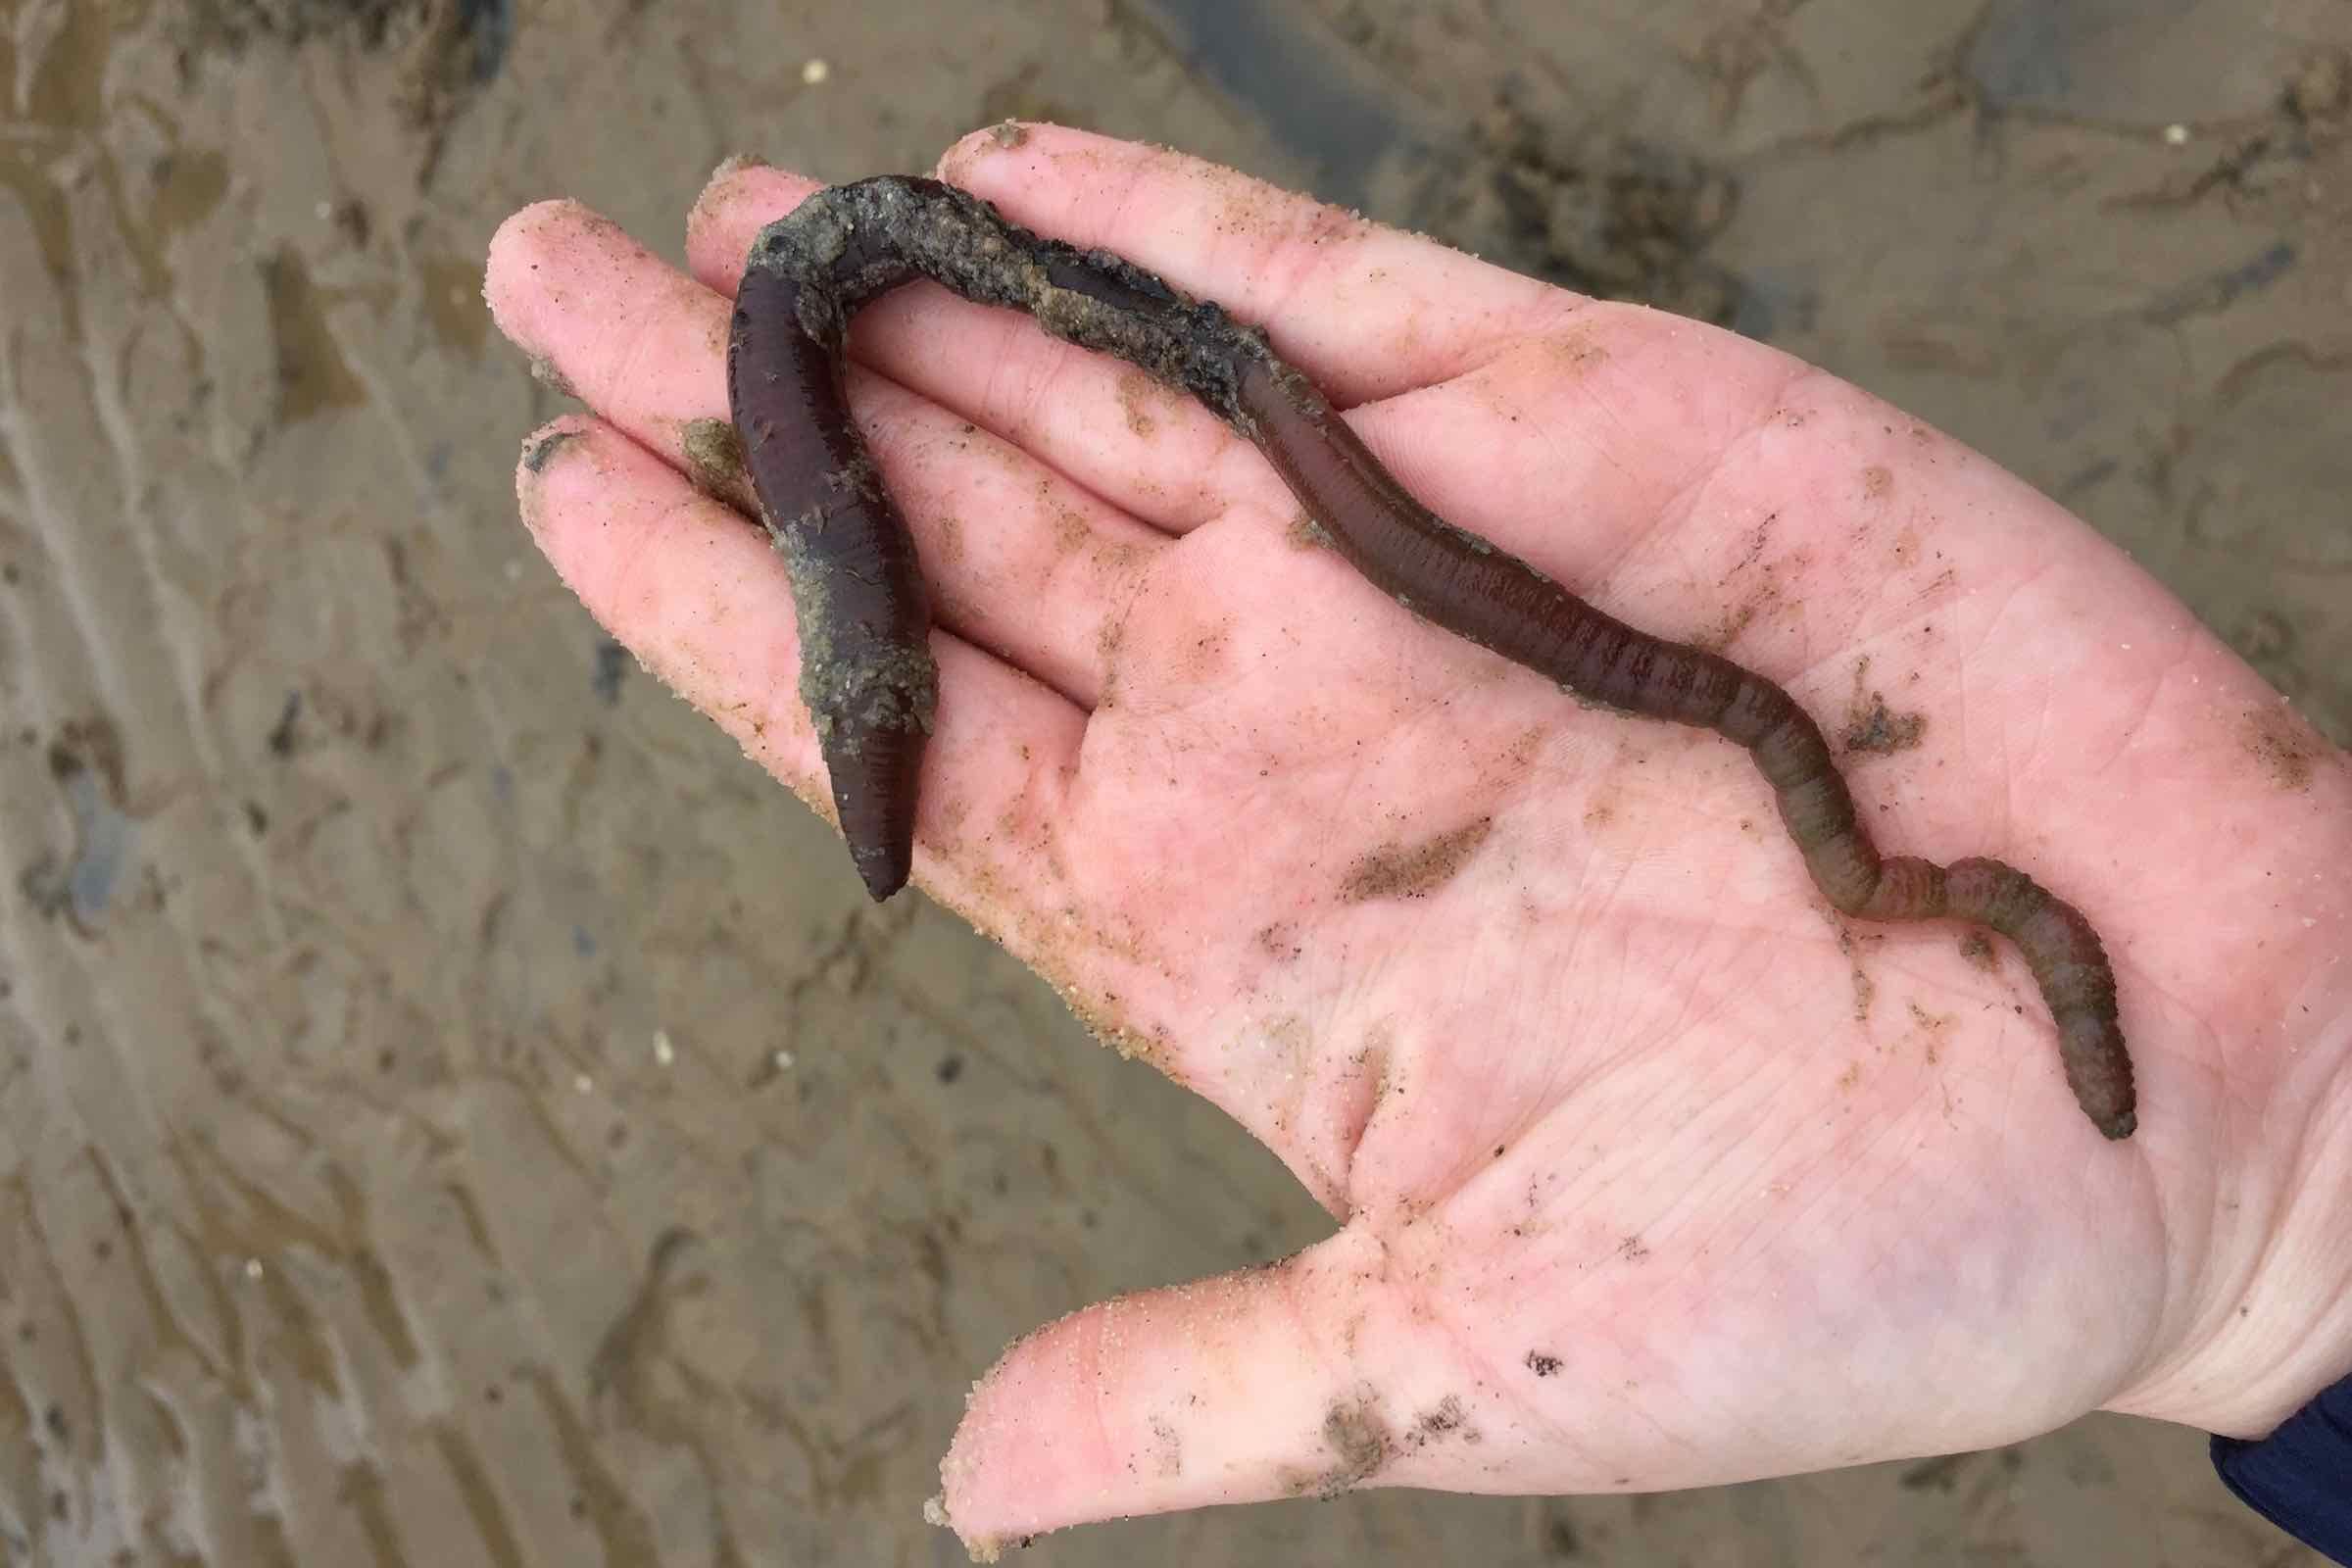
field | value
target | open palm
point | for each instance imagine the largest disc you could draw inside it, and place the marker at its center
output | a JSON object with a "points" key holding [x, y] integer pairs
{"points": [[1652, 1171]]}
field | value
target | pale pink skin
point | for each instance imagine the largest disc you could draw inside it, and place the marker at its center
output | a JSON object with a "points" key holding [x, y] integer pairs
{"points": [[1610, 1093]]}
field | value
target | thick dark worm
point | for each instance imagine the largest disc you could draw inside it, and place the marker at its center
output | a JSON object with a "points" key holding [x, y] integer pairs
{"points": [[866, 673]]}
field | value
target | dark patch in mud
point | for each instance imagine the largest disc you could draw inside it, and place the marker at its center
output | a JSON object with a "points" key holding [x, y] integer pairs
{"points": [[1940, 1474], [612, 666], [1524, 183], [444, 51], [2218, 291], [85, 761], [1622, 220], [622, 1357], [313, 375], [467, 38], [283, 735], [95, 744], [1560, 1537]]}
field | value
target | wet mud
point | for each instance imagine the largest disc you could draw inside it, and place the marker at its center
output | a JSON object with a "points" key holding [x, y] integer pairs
{"points": [[440, 1124]]}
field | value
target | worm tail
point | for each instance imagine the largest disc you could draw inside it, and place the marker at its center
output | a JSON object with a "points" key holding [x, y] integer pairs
{"points": [[1499, 602]]}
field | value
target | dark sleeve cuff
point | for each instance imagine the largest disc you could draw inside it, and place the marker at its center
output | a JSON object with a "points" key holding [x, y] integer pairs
{"points": [[2300, 1476]]}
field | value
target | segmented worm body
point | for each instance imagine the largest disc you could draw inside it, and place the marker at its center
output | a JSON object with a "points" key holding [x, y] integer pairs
{"points": [[867, 675]]}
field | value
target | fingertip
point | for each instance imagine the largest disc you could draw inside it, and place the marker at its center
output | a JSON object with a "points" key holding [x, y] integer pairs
{"points": [[712, 199], [544, 447], [989, 144], [554, 446], [732, 165], [558, 271], [1218, 1392], [935, 1513], [743, 196], [1030, 157], [516, 252], [990, 1452]]}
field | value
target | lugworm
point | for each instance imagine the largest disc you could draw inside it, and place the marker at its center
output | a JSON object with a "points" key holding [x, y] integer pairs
{"points": [[866, 670]]}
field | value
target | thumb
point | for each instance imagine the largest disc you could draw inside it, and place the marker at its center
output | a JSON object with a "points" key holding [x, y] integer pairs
{"points": [[1237, 1389]]}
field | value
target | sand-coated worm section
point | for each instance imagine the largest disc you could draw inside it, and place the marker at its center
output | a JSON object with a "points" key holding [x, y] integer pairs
{"points": [[867, 675]]}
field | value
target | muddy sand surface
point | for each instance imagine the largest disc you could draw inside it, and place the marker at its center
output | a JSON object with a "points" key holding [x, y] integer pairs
{"points": [[455, 1110]]}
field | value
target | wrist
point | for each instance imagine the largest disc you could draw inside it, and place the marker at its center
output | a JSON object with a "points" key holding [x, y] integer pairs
{"points": [[2266, 1307]]}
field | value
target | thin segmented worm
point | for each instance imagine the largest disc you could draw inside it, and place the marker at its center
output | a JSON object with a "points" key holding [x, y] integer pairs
{"points": [[866, 671]]}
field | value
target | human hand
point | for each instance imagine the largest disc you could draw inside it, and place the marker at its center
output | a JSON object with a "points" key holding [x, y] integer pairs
{"points": [[1651, 1171]]}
